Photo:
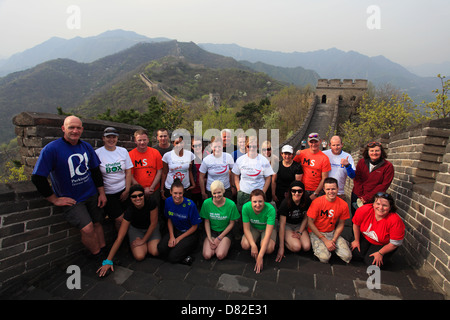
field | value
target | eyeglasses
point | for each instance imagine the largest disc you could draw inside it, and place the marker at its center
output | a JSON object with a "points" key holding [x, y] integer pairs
{"points": [[374, 144], [197, 145], [252, 147], [134, 196], [297, 191]]}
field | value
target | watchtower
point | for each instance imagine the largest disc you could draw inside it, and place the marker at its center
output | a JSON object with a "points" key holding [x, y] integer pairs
{"points": [[341, 92]]}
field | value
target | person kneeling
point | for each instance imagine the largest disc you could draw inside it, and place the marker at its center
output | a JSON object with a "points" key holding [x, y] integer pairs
{"points": [[140, 220], [182, 223], [326, 219], [258, 218]]}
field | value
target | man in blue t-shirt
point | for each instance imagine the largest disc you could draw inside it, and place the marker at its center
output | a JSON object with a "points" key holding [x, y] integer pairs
{"points": [[77, 183]]}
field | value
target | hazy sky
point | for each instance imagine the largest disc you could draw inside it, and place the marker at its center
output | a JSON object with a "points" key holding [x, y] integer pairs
{"points": [[407, 32]]}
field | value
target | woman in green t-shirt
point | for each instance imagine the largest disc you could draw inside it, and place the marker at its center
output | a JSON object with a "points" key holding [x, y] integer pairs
{"points": [[258, 218], [219, 214]]}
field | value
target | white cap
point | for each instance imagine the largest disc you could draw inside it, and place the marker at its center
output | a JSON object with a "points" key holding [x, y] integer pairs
{"points": [[287, 148]]}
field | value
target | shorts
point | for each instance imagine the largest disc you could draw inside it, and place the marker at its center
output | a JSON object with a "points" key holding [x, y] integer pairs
{"points": [[242, 198], [256, 233], [292, 227], [84, 212], [134, 233], [114, 207]]}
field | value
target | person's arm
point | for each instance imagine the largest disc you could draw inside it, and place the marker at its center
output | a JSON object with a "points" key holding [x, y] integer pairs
{"points": [[328, 243], [97, 177], [165, 171], [191, 177], [281, 232], [156, 180], [236, 182], [248, 235], [320, 186], [274, 187], [357, 234], [188, 232], [115, 247], [44, 188], [378, 256], [338, 230], [267, 183], [264, 244], [201, 180], [128, 181]]}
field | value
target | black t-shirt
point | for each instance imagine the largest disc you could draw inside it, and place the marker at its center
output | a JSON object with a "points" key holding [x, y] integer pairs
{"points": [[295, 214], [286, 175], [140, 218]]}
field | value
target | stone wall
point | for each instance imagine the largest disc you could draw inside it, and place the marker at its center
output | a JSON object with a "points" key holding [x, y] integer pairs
{"points": [[421, 188], [33, 234], [34, 130]]}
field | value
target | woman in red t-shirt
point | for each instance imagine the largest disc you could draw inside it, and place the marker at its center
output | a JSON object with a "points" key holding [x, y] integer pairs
{"points": [[381, 228]]}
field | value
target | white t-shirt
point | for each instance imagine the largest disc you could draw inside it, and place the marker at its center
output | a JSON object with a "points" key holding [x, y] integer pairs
{"points": [[217, 168], [178, 167], [338, 171], [253, 172], [113, 165]]}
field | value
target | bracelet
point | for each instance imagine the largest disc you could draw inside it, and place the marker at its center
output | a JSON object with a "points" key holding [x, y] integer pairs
{"points": [[107, 262], [381, 253], [219, 238]]}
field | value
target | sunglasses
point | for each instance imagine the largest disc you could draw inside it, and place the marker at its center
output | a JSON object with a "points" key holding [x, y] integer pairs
{"points": [[134, 196], [374, 144], [197, 145], [383, 195], [313, 136], [297, 191], [267, 149]]}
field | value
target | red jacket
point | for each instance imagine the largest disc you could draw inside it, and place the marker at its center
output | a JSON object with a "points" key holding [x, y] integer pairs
{"points": [[367, 184]]}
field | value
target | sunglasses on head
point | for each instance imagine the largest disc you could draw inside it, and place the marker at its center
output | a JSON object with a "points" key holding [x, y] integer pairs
{"points": [[313, 136], [297, 191], [134, 196], [383, 195], [374, 144]]}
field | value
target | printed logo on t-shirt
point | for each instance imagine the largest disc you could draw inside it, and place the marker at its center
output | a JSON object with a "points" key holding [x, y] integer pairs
{"points": [[78, 167]]}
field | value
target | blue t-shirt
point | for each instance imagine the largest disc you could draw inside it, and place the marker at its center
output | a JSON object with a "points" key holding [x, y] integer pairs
{"points": [[69, 168], [184, 215]]}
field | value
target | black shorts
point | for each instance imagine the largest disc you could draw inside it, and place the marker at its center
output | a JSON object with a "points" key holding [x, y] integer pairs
{"points": [[83, 213], [114, 206]]}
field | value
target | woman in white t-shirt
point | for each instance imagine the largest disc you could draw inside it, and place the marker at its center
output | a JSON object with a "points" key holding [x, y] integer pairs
{"points": [[251, 171], [116, 170], [216, 166], [177, 163]]}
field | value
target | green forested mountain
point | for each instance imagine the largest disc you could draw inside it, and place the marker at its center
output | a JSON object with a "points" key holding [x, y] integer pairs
{"points": [[113, 81]]}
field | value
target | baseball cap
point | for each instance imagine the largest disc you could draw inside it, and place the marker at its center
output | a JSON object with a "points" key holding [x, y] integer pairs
{"points": [[313, 136], [110, 131], [287, 148]]}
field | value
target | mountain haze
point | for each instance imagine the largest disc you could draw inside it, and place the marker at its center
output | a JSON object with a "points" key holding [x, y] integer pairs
{"points": [[69, 84], [78, 49], [337, 64]]}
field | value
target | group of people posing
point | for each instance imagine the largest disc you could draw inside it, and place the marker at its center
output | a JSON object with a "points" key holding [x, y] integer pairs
{"points": [[163, 198]]}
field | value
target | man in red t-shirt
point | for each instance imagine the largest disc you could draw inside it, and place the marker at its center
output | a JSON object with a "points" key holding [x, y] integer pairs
{"points": [[326, 218], [147, 165], [315, 164]]}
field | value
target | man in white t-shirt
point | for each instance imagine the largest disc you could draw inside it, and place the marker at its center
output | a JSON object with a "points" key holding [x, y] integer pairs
{"points": [[342, 164]]}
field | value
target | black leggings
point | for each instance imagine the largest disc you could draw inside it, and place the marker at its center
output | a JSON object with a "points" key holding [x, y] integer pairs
{"points": [[367, 249], [183, 248]]}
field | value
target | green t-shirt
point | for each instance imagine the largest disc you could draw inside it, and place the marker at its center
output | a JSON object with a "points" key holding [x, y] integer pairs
{"points": [[259, 221], [219, 218]]}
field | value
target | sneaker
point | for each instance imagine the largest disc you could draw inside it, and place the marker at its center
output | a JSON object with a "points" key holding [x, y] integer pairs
{"points": [[188, 260]]}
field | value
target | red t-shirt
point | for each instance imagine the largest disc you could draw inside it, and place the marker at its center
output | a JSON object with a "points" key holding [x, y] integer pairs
{"points": [[313, 165], [327, 214], [145, 166], [389, 229]]}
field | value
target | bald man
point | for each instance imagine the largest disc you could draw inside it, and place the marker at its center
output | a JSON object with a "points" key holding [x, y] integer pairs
{"points": [[77, 183]]}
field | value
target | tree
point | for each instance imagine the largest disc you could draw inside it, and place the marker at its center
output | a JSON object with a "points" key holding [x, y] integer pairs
{"points": [[441, 107], [376, 116]]}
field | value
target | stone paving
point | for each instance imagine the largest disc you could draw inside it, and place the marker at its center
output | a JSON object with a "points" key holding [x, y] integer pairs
{"points": [[297, 277]]}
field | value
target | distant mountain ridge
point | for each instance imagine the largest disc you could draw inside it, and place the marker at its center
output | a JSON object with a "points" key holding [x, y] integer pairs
{"points": [[337, 64], [78, 49], [69, 84]]}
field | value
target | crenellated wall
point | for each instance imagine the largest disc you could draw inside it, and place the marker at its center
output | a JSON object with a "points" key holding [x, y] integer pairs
{"points": [[33, 234], [421, 188]]}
